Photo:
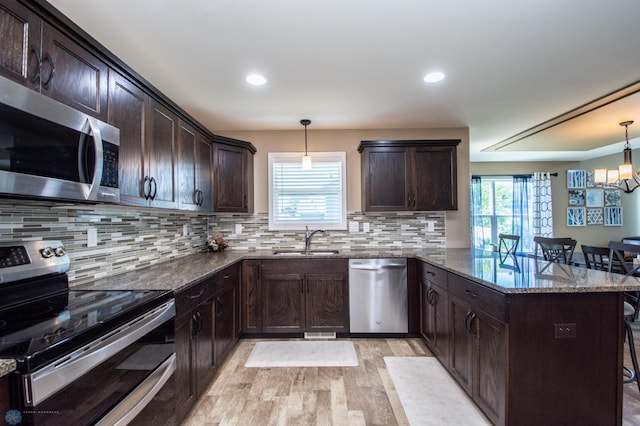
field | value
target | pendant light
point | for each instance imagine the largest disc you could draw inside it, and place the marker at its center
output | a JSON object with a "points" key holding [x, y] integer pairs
{"points": [[306, 158], [626, 177]]}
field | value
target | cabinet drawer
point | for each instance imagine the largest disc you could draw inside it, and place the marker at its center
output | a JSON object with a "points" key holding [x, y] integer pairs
{"points": [[228, 277], [479, 296], [190, 298], [434, 275]]}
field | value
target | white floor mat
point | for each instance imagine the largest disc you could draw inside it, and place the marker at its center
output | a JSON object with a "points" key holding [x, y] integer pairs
{"points": [[429, 395], [303, 354]]}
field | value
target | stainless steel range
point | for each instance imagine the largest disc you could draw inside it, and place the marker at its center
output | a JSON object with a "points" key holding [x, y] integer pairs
{"points": [[83, 357]]}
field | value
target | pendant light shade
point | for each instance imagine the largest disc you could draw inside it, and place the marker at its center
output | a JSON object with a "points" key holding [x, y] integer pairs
{"points": [[626, 177], [306, 158]]}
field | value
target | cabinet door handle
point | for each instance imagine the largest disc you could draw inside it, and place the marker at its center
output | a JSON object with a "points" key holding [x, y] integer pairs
{"points": [[199, 322], [36, 76], [200, 197], [194, 325], [47, 58], [467, 322], [152, 181], [471, 329], [146, 187], [430, 296], [246, 201], [431, 273]]}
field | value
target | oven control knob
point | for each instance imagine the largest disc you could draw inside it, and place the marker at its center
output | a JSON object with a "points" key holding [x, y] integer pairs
{"points": [[46, 252], [60, 251]]}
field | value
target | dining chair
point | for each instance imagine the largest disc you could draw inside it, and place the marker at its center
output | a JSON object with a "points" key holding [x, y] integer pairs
{"points": [[508, 243], [631, 240], [624, 256], [600, 258], [558, 250], [596, 257], [625, 259]]}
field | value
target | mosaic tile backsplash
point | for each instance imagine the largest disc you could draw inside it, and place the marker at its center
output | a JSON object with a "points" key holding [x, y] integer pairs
{"points": [[133, 238]]}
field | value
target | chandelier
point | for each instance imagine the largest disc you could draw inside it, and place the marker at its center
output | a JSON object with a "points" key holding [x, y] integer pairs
{"points": [[626, 177]]}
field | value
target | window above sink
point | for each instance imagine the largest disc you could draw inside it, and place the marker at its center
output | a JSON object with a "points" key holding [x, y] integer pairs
{"points": [[315, 198]]}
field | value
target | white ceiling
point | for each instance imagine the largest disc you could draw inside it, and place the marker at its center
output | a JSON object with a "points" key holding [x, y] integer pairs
{"points": [[359, 64]]}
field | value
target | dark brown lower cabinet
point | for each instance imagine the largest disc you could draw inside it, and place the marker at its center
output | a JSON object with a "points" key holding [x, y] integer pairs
{"points": [[251, 297], [434, 304], [225, 307], [478, 359], [194, 346], [206, 318], [314, 298], [505, 352]]}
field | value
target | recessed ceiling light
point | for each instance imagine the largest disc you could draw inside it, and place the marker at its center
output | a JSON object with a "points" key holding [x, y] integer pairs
{"points": [[434, 77], [256, 79]]}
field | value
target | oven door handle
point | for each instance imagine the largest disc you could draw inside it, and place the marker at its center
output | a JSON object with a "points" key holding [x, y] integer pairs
{"points": [[135, 401], [43, 383]]}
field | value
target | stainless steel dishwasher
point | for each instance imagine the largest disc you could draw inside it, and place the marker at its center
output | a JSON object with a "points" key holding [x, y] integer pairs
{"points": [[378, 295]]}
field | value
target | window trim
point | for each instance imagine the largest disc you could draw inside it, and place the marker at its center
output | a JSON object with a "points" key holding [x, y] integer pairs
{"points": [[279, 157]]}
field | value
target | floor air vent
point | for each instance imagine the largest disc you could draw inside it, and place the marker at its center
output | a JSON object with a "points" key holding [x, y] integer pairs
{"points": [[320, 335]]}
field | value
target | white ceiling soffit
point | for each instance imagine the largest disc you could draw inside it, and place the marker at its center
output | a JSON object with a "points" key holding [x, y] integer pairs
{"points": [[586, 128], [359, 64]]}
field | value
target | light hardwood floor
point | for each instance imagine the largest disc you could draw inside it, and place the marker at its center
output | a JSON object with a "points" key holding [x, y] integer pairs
{"points": [[362, 395]]}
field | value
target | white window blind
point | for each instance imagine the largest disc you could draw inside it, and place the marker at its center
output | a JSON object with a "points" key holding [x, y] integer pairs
{"points": [[314, 198]]}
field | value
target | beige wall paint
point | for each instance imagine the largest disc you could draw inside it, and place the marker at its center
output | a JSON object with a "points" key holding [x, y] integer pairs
{"points": [[348, 141], [598, 235]]}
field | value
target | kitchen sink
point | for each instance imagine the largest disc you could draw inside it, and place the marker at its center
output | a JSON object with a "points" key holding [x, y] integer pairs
{"points": [[305, 252]]}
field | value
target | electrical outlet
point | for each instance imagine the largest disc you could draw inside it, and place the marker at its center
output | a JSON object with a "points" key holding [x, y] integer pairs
{"points": [[564, 330], [430, 226], [238, 228], [354, 227], [185, 230], [366, 227]]}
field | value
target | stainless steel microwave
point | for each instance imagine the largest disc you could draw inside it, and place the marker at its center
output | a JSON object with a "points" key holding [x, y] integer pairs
{"points": [[50, 150]]}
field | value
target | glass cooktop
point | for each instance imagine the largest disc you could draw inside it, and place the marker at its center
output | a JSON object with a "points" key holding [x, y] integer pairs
{"points": [[45, 329]]}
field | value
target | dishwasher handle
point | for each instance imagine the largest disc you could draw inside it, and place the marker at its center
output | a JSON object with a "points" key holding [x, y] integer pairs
{"points": [[375, 267]]}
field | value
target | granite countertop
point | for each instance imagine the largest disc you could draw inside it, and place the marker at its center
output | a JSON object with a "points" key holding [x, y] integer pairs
{"points": [[512, 275], [523, 274], [7, 366]]}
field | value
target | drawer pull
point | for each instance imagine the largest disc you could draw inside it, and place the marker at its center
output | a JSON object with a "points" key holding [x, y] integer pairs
{"points": [[470, 293], [197, 296]]}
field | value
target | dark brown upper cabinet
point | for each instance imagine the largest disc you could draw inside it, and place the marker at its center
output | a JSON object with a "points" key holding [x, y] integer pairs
{"points": [[166, 158], [128, 111], [233, 179], [412, 175], [195, 155], [159, 182], [20, 43], [37, 55], [148, 145]]}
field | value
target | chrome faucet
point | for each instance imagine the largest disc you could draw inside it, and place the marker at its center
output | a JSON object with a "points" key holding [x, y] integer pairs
{"points": [[307, 237]]}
